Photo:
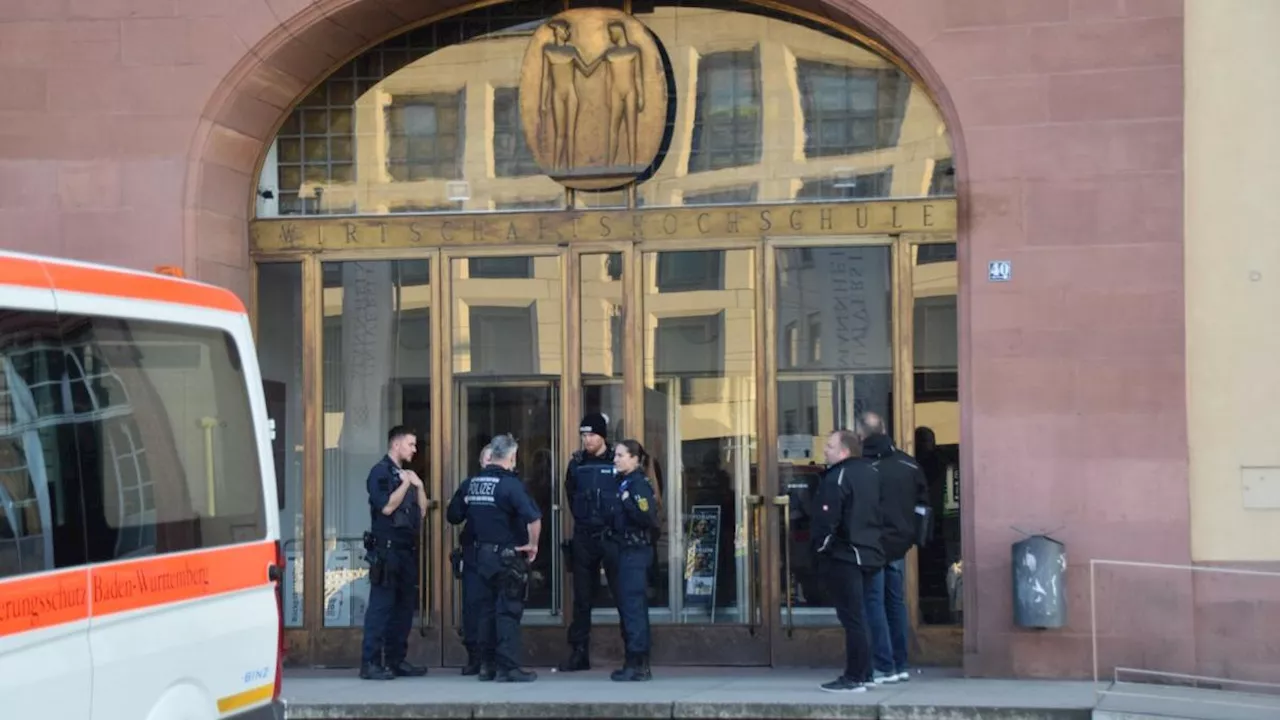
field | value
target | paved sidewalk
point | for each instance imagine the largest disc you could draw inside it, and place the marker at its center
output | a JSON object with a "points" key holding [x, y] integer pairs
{"points": [[680, 692]]}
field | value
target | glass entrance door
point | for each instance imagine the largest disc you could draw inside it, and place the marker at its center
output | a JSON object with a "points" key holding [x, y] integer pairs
{"points": [[833, 329], [530, 411], [700, 387]]}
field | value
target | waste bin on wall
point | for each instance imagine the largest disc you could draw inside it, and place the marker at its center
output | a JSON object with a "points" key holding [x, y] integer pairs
{"points": [[1039, 582]]}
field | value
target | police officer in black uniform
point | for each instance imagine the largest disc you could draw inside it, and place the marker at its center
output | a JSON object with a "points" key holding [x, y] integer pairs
{"points": [[635, 516], [464, 568], [505, 524], [590, 486], [397, 504]]}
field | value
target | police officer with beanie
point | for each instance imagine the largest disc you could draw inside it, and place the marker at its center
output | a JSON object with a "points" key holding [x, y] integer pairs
{"points": [[464, 569], [505, 524], [591, 488], [634, 519], [397, 504]]}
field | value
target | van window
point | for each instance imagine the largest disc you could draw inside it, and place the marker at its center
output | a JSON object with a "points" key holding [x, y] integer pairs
{"points": [[121, 438], [40, 521], [164, 437]]}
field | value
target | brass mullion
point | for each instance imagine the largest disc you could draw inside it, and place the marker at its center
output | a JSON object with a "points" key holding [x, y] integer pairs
{"points": [[903, 254], [766, 435], [439, 548], [633, 342], [570, 401], [313, 444]]}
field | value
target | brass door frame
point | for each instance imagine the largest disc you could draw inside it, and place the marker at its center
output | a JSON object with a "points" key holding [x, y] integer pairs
{"points": [[825, 643], [762, 638]]}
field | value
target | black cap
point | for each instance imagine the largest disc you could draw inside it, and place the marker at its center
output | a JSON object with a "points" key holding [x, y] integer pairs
{"points": [[595, 423]]}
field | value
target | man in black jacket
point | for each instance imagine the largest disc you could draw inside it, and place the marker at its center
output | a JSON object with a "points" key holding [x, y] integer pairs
{"points": [[846, 533], [903, 489]]}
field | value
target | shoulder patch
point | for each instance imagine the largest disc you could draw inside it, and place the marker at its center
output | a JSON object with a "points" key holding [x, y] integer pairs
{"points": [[643, 504]]}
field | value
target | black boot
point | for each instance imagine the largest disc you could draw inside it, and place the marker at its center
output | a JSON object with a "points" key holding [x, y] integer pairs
{"points": [[636, 669], [404, 668], [623, 673], [516, 675], [579, 659], [373, 671], [487, 671], [473, 663], [642, 669]]}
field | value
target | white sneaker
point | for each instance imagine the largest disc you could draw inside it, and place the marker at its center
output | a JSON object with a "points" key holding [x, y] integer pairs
{"points": [[903, 676], [880, 678]]}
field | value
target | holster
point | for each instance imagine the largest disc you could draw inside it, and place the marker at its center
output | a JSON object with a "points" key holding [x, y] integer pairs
{"points": [[377, 567], [455, 559], [515, 575], [566, 549]]}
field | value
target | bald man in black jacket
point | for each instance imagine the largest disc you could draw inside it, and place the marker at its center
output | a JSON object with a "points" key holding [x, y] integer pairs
{"points": [[903, 489]]}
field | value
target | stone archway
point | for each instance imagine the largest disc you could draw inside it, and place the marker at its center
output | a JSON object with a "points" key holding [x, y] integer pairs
{"points": [[296, 44]]}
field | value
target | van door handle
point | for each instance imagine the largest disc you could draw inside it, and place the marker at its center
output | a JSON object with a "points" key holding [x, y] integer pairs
{"points": [[274, 572]]}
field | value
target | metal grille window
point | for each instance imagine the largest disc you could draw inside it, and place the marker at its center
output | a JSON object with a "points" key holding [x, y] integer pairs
{"points": [[511, 154], [316, 144], [727, 124], [424, 137], [849, 110]]}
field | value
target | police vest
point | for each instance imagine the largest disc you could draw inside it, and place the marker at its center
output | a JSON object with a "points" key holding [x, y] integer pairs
{"points": [[595, 497]]}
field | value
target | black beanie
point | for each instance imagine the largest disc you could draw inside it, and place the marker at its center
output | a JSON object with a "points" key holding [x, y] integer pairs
{"points": [[595, 423]]}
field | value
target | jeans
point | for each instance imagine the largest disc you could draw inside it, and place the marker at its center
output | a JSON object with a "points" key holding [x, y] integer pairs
{"points": [[845, 583], [885, 607]]}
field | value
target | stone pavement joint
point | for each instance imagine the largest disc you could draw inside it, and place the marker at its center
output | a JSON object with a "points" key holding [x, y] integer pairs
{"points": [[680, 693]]}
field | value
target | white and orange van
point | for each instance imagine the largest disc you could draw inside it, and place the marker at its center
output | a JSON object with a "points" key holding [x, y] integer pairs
{"points": [[139, 532]]}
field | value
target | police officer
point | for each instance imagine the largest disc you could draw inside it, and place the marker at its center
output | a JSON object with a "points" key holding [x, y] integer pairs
{"points": [[846, 535], [505, 524], [591, 486], [397, 504], [634, 518], [464, 568]]}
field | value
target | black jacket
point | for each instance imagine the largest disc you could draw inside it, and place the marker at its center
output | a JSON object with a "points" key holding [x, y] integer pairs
{"points": [[846, 522], [902, 488]]}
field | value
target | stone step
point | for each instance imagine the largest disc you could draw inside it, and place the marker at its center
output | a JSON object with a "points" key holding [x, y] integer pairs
{"points": [[678, 694]]}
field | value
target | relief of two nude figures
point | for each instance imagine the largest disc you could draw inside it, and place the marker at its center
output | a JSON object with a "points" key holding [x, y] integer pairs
{"points": [[623, 99]]}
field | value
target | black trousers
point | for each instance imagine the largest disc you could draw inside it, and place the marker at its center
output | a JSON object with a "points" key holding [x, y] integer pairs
{"points": [[590, 551], [389, 617], [472, 587], [499, 606], [632, 596], [845, 582]]}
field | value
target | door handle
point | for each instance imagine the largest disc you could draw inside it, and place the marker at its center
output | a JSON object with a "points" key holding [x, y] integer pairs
{"points": [[751, 512], [426, 570], [784, 502], [274, 572]]}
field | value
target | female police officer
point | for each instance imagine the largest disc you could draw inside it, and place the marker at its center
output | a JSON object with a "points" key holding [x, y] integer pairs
{"points": [[634, 517]]}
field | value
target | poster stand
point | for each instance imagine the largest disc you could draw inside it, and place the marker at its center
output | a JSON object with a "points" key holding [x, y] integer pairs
{"points": [[702, 557]]}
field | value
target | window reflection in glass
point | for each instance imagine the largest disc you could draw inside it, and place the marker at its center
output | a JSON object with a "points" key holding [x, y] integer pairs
{"points": [[507, 326], [428, 121], [601, 333], [280, 351], [377, 360], [700, 423], [936, 440], [835, 360]]}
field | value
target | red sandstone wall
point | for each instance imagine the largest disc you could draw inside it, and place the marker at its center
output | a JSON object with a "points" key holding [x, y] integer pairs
{"points": [[129, 131]]}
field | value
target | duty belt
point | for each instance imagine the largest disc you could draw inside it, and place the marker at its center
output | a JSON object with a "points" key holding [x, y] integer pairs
{"points": [[390, 544]]}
